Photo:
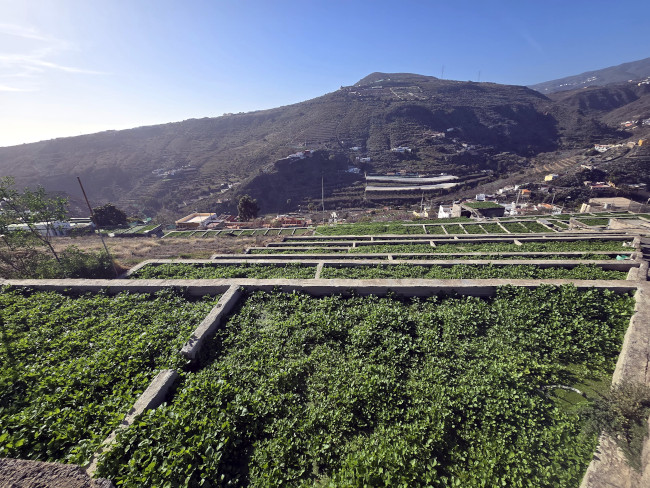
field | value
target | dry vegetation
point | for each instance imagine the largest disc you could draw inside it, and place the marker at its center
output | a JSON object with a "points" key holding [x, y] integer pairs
{"points": [[129, 252]]}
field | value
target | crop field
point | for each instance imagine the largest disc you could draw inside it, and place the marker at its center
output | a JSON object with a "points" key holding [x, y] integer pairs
{"points": [[497, 256], [533, 226], [451, 220], [364, 391], [303, 250], [493, 228], [460, 247], [435, 229], [454, 229], [73, 365], [547, 246], [468, 271], [366, 229], [515, 227], [558, 223], [474, 229], [216, 271]]}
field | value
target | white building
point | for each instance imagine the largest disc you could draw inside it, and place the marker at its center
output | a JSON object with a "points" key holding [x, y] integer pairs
{"points": [[56, 228], [444, 212]]}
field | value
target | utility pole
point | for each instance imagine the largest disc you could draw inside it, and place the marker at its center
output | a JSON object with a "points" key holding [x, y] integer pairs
{"points": [[442, 73], [92, 216], [322, 194]]}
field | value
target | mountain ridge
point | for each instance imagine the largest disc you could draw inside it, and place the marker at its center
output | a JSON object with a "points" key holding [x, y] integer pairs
{"points": [[633, 70], [172, 168]]}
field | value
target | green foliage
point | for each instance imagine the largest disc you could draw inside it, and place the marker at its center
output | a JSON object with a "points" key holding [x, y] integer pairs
{"points": [[368, 228], [472, 271], [474, 229], [435, 229], [451, 220], [515, 227], [215, 271], [75, 263], [482, 205], [623, 413], [547, 246], [21, 249], [109, 216], [493, 228], [454, 229], [72, 366], [304, 250], [367, 391], [247, 208], [535, 226], [558, 223]]}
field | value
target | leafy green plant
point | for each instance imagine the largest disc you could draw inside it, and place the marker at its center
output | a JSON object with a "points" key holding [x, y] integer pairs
{"points": [[480, 205], [215, 271], [75, 263], [369, 228], [454, 229], [367, 391], [515, 227], [493, 228], [465, 271], [533, 226], [474, 229], [72, 366], [435, 229], [545, 246]]}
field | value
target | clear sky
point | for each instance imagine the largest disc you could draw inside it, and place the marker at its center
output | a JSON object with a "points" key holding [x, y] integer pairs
{"points": [[70, 67]]}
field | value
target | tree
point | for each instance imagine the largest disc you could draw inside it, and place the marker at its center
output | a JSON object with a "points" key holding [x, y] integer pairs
{"points": [[247, 208], [109, 216], [28, 221]]}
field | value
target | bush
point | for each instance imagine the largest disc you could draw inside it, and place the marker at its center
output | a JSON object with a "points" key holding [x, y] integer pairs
{"points": [[75, 263]]}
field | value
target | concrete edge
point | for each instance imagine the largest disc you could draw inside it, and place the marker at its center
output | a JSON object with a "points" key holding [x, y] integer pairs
{"points": [[488, 235], [636, 342], [152, 397], [542, 263], [360, 256], [404, 287], [208, 326], [410, 239], [608, 466]]}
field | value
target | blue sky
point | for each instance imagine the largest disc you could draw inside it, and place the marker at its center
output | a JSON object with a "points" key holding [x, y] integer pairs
{"points": [[70, 67]]}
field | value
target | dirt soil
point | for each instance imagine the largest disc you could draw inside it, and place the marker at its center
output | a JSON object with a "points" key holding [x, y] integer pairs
{"points": [[128, 252], [19, 473]]}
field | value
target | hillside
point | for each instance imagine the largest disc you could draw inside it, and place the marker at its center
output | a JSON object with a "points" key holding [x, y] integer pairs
{"points": [[635, 70], [450, 126]]}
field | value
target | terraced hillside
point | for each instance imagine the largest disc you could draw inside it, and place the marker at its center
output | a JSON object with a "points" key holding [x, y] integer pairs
{"points": [[379, 358], [380, 112]]}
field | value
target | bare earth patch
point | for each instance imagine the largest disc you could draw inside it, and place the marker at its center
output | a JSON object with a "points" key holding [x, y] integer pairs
{"points": [[19, 473], [128, 252]]}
